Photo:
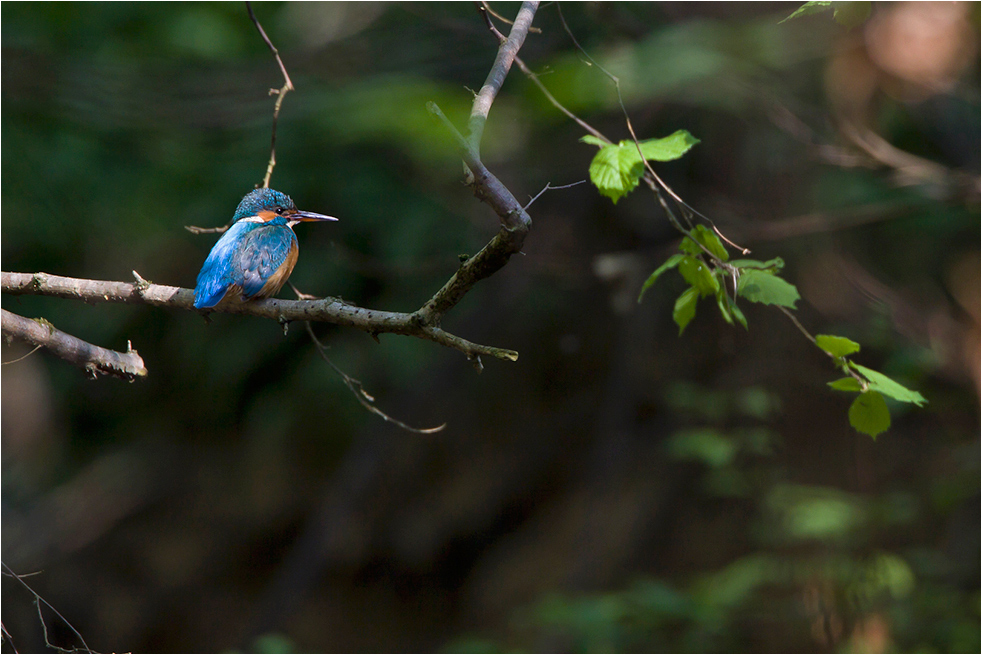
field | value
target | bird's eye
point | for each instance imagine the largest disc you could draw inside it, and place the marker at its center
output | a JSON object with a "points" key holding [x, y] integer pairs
{"points": [[279, 210]]}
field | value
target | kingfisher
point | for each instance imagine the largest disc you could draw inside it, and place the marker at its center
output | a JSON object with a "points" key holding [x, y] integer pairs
{"points": [[255, 256]]}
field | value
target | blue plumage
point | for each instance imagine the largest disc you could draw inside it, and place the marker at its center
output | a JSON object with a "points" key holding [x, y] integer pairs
{"points": [[254, 258]]}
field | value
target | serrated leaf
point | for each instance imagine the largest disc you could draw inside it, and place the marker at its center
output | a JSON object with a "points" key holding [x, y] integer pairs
{"points": [[706, 237], [767, 289], [697, 273], [771, 265], [685, 308], [671, 262], [616, 168], [869, 414], [846, 384], [888, 386], [836, 346], [611, 172], [667, 148], [593, 140]]}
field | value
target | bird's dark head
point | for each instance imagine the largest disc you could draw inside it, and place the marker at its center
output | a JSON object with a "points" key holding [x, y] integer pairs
{"points": [[268, 200], [269, 204]]}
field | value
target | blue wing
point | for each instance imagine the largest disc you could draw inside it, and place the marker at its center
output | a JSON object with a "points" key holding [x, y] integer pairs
{"points": [[248, 259]]}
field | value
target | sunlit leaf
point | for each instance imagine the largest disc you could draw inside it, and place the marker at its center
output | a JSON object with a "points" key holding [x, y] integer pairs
{"points": [[836, 346], [706, 237], [848, 14], [616, 168], [846, 384], [889, 387], [593, 140], [757, 286], [869, 414], [611, 172], [685, 308], [811, 7], [667, 148], [671, 262]]}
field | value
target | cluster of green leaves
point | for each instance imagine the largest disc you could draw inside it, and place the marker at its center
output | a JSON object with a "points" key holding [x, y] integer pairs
{"points": [[705, 265], [702, 261], [868, 412], [618, 167]]}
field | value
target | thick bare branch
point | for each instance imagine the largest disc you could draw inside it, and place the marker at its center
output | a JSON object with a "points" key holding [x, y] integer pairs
{"points": [[328, 310], [95, 360], [499, 71]]}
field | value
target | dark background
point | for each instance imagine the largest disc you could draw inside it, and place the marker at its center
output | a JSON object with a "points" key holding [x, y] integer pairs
{"points": [[619, 488]]}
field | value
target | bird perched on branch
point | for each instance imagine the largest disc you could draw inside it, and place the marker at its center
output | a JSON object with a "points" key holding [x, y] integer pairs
{"points": [[254, 258]]}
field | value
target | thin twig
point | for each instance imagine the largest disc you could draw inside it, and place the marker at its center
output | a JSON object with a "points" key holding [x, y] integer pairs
{"points": [[366, 399], [655, 182], [19, 359], [38, 600], [280, 94], [549, 187]]}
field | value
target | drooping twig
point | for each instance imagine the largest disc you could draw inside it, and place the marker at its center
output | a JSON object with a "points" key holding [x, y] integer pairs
{"points": [[93, 359], [366, 399], [38, 601], [22, 357]]}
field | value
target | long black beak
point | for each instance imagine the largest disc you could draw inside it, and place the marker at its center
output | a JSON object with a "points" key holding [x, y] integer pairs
{"points": [[310, 216]]}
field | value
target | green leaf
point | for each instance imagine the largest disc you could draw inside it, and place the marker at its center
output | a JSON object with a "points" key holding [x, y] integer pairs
{"points": [[697, 273], [738, 315], [690, 246], [723, 301], [869, 414], [706, 237], [888, 387], [847, 14], [836, 346], [685, 308], [846, 384], [616, 169], [666, 149], [593, 140], [812, 7], [771, 265], [611, 171], [671, 262], [758, 286]]}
